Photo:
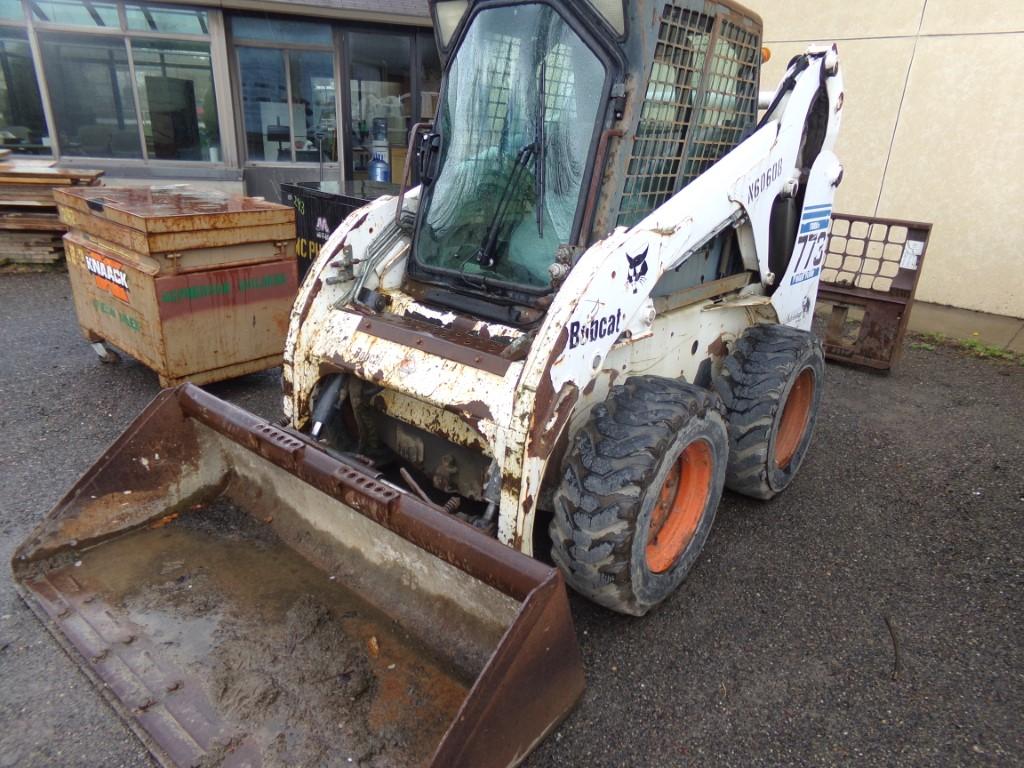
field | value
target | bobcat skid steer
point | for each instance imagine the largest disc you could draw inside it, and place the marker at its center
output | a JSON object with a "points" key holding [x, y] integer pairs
{"points": [[591, 316]]}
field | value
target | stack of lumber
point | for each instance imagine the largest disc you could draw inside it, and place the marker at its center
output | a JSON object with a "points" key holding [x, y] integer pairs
{"points": [[30, 228]]}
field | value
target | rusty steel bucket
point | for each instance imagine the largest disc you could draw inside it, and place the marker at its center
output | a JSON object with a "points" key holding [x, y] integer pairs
{"points": [[244, 598]]}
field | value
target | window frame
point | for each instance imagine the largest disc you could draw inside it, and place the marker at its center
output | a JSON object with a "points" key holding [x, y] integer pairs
{"points": [[33, 56], [214, 24], [283, 48], [233, 153], [346, 32], [611, 59]]}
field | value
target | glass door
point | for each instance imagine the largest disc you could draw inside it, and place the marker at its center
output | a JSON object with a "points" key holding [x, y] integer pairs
{"points": [[288, 89], [381, 104]]}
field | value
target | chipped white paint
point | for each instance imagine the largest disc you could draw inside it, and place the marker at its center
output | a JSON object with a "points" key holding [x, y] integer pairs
{"points": [[601, 326]]}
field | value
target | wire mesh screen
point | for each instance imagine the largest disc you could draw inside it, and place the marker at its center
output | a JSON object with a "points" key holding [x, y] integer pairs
{"points": [[864, 254], [497, 85], [679, 60], [696, 107], [729, 102]]}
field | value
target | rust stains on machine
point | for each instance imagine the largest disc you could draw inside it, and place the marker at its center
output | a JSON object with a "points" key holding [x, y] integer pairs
{"points": [[250, 598]]}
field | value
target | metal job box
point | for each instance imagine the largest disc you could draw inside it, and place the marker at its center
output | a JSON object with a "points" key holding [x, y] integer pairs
{"points": [[197, 286]]}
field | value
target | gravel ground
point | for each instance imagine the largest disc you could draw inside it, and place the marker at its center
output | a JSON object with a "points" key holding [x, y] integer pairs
{"points": [[903, 531]]}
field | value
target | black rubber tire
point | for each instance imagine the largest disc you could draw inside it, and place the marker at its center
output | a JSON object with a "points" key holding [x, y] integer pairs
{"points": [[611, 480], [754, 383]]}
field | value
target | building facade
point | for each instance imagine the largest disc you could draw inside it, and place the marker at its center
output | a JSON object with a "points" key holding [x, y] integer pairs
{"points": [[235, 98], [247, 94], [932, 129]]}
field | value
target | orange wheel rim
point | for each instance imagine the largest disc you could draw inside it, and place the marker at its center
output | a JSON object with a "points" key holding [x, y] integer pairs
{"points": [[680, 506], [796, 415]]}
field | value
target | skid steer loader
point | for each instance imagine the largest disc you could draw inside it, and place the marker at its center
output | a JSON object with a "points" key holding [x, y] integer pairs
{"points": [[590, 317]]}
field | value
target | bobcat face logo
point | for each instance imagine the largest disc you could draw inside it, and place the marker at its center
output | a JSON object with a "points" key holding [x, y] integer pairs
{"points": [[637, 272]]}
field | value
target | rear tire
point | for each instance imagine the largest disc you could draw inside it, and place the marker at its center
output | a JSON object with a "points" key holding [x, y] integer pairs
{"points": [[639, 491], [771, 387]]}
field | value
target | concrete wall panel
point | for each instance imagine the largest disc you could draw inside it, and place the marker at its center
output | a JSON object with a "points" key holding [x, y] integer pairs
{"points": [[874, 72], [838, 19], [958, 161], [955, 17]]}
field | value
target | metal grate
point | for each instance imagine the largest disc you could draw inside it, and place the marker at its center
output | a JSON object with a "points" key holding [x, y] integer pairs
{"points": [[867, 287], [729, 101], [696, 107], [559, 86], [866, 254], [495, 82], [667, 112]]}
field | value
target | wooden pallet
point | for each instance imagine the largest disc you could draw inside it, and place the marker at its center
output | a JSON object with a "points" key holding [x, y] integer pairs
{"points": [[26, 184], [30, 227]]}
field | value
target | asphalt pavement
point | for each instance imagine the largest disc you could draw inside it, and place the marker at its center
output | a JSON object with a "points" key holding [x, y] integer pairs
{"points": [[871, 615]]}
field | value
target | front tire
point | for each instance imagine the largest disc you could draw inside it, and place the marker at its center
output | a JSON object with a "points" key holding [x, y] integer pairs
{"points": [[771, 386], [639, 492]]}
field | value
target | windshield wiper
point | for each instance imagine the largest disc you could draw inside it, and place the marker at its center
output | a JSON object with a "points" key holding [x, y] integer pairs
{"points": [[484, 255], [540, 167]]}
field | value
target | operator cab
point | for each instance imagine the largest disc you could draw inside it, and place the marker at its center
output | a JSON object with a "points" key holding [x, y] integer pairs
{"points": [[506, 173], [541, 145]]}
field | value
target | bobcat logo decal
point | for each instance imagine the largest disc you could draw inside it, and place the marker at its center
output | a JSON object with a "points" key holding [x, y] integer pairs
{"points": [[637, 272]]}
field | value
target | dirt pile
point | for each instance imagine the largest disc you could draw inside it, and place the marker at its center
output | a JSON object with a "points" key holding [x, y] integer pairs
{"points": [[306, 679]]}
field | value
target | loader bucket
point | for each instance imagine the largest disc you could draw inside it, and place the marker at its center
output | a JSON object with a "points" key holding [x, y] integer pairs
{"points": [[244, 598]]}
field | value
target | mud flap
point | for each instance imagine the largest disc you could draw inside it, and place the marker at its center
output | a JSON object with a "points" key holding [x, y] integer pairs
{"points": [[243, 598]]}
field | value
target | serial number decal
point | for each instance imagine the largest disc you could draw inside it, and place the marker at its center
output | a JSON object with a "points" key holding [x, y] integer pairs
{"points": [[765, 180], [204, 291], [190, 292], [811, 242], [267, 281], [584, 333], [108, 275]]}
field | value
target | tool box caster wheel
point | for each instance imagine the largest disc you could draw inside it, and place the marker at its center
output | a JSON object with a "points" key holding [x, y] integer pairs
{"points": [[105, 353]]}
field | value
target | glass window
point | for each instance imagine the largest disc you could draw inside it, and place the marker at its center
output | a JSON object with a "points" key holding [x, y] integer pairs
{"points": [[275, 30], [80, 13], [430, 75], [314, 112], [179, 108], [22, 125], [381, 96], [517, 122], [11, 9], [265, 104], [91, 95], [155, 18], [274, 132]]}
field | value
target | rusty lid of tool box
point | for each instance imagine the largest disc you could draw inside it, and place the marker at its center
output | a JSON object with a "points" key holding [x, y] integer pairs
{"points": [[173, 209]]}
